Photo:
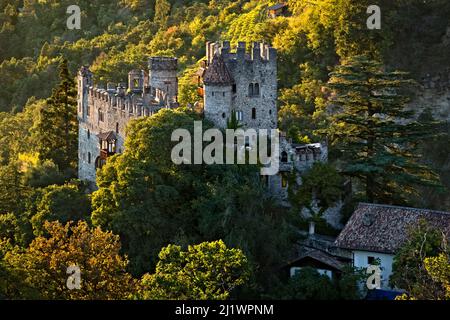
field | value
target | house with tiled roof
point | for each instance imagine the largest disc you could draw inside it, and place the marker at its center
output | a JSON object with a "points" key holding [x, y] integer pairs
{"points": [[279, 9], [375, 232]]}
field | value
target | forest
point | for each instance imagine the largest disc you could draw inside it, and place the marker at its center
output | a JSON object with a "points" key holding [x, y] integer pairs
{"points": [[154, 230]]}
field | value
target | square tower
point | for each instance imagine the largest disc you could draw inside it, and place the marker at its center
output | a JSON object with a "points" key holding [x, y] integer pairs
{"points": [[241, 82]]}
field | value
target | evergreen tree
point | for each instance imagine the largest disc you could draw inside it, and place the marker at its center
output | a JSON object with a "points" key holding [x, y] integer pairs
{"points": [[57, 128], [374, 133]]}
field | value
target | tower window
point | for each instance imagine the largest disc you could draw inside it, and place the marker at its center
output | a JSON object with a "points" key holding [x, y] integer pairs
{"points": [[89, 157], [117, 127], [256, 89], [223, 94], [223, 115], [270, 111], [253, 113], [250, 90], [284, 157], [239, 115], [89, 134], [101, 117], [212, 93], [234, 88]]}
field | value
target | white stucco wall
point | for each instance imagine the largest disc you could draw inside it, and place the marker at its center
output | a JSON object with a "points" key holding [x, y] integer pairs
{"points": [[360, 260]]}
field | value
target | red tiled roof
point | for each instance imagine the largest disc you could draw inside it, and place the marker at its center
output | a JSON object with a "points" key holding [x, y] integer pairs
{"points": [[384, 228]]}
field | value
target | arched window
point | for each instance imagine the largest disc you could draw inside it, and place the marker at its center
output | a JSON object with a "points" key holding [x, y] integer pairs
{"points": [[284, 157], [256, 89], [253, 113], [250, 90]]}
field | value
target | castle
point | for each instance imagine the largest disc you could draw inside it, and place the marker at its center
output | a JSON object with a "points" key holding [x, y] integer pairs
{"points": [[243, 82]]}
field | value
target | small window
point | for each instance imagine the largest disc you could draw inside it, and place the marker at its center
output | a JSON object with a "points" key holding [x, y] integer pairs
{"points": [[284, 157], [101, 117], [212, 93], [371, 260], [239, 115], [234, 88], [250, 90], [89, 134], [270, 111], [88, 110], [256, 89], [223, 115], [117, 127], [89, 157], [223, 94], [253, 113]]}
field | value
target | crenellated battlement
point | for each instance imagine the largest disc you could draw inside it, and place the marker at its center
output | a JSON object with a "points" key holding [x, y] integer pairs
{"points": [[257, 52], [163, 63], [121, 101]]}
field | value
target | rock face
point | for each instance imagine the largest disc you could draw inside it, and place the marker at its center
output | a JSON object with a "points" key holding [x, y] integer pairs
{"points": [[434, 93]]}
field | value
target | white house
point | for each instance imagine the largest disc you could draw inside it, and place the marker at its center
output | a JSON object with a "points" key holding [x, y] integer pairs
{"points": [[375, 232]]}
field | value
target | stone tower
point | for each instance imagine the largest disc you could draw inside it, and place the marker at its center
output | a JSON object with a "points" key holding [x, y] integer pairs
{"points": [[242, 83], [163, 79]]}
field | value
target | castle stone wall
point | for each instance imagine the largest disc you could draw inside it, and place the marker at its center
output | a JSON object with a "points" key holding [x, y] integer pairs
{"points": [[254, 92]]}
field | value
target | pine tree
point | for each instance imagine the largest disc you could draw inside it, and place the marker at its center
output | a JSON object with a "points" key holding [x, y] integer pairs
{"points": [[57, 128], [374, 133]]}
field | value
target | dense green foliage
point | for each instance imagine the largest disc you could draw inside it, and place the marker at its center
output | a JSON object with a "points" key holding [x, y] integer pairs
{"points": [[208, 271], [416, 265], [148, 200], [43, 265], [57, 126], [375, 135], [308, 284], [326, 59]]}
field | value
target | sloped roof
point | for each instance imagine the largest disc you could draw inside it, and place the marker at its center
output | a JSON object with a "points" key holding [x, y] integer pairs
{"points": [[320, 256], [384, 228], [108, 136], [217, 73], [277, 6]]}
